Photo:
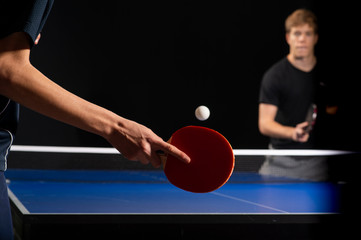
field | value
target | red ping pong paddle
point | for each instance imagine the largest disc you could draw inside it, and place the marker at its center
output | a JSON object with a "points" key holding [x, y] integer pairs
{"points": [[212, 160]]}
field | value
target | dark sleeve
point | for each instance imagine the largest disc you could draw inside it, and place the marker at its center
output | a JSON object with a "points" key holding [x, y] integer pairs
{"points": [[27, 16], [269, 92]]}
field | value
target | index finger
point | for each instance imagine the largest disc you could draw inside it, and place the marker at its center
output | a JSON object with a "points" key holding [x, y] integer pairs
{"points": [[168, 148]]}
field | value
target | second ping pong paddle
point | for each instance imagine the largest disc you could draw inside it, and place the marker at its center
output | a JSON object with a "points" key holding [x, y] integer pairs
{"points": [[212, 160], [311, 117]]}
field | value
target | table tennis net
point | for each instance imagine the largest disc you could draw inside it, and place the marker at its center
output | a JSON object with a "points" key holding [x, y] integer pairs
{"points": [[246, 161]]}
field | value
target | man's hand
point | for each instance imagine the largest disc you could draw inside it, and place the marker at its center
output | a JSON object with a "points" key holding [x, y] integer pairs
{"points": [[300, 133], [138, 143]]}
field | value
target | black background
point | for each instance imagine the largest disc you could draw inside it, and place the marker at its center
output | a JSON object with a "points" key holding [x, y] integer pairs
{"points": [[155, 62]]}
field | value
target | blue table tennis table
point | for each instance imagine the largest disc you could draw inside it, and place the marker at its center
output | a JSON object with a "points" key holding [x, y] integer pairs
{"points": [[139, 203]]}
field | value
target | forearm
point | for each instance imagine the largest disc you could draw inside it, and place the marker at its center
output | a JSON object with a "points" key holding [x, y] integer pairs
{"points": [[32, 89], [276, 130]]}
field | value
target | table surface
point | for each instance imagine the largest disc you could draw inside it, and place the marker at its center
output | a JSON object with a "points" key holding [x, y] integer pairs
{"points": [[53, 196], [105, 192]]}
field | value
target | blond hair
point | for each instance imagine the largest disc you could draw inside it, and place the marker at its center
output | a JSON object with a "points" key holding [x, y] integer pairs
{"points": [[301, 17]]}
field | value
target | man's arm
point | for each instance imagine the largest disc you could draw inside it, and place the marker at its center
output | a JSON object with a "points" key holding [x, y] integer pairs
{"points": [[269, 127], [23, 83]]}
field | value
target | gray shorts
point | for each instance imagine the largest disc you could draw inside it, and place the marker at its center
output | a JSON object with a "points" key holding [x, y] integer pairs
{"points": [[313, 168]]}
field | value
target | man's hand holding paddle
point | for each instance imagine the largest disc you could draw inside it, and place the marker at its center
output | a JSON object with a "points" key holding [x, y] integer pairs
{"points": [[138, 143]]}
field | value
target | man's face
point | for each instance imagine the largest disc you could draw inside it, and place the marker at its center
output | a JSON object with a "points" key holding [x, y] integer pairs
{"points": [[302, 40]]}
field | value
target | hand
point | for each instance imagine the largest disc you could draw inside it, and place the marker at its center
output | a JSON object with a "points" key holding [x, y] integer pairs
{"points": [[300, 133], [138, 143]]}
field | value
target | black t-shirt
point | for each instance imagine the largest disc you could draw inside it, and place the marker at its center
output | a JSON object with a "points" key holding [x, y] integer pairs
{"points": [[292, 91]]}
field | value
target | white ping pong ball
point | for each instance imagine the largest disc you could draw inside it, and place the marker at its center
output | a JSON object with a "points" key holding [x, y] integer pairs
{"points": [[202, 113]]}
